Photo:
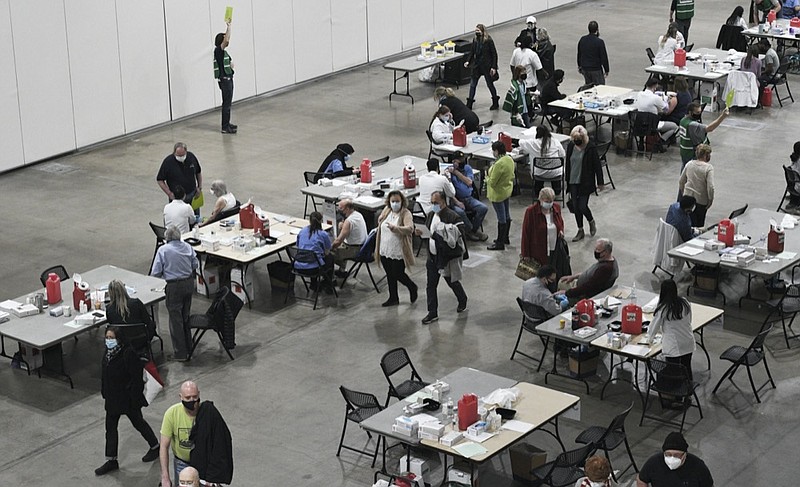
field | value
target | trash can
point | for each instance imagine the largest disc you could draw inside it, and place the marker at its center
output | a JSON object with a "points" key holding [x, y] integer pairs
{"points": [[454, 72], [583, 363], [281, 278]]}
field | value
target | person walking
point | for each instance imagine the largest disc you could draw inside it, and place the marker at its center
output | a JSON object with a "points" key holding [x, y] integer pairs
{"points": [[223, 71], [592, 57], [393, 245], [483, 61], [681, 12], [697, 179], [542, 226], [582, 169], [499, 186]]}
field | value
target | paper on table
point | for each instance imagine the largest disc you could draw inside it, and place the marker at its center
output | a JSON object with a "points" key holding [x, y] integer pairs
{"points": [[479, 438], [339, 182], [277, 234], [369, 200], [295, 231], [516, 425], [697, 242], [423, 418], [584, 332], [788, 221], [280, 218], [640, 350], [422, 393], [470, 449], [688, 250], [786, 255], [73, 324], [621, 293]]}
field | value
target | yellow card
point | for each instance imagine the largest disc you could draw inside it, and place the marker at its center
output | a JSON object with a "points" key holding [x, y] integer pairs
{"points": [[228, 14]]}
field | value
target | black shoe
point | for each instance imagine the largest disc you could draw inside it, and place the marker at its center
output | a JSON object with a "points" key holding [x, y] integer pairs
{"points": [[229, 131], [495, 103], [390, 302], [340, 273], [414, 293], [461, 307], [429, 318], [152, 454], [107, 467], [234, 127]]}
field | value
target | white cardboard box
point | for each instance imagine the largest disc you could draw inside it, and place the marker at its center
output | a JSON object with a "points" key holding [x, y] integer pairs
{"points": [[417, 466], [210, 276], [240, 285], [33, 356]]}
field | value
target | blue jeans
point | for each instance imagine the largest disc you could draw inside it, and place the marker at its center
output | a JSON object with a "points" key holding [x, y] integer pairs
{"points": [[502, 210], [473, 84], [177, 466], [478, 209]]}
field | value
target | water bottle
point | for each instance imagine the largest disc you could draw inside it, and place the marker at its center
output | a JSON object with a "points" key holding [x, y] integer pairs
{"points": [[633, 292]]}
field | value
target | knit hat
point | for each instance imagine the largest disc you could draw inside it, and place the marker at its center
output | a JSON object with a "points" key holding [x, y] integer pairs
{"points": [[675, 441]]}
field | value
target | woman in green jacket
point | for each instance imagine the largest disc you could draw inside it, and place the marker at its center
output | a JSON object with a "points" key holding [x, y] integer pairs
{"points": [[499, 184], [517, 102]]}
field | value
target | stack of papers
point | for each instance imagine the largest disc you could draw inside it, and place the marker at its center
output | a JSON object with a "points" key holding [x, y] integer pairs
{"points": [[640, 350], [689, 250], [584, 332], [516, 425], [479, 438], [469, 449]]}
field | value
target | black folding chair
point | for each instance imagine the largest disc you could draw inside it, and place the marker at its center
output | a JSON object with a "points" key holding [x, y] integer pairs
{"points": [[549, 164], [602, 152], [650, 55], [358, 407], [58, 270], [420, 218], [748, 358], [785, 309], [646, 125], [220, 318], [394, 361], [792, 178], [610, 438], [671, 382], [137, 337], [366, 255], [566, 469], [311, 177], [532, 316], [311, 277], [780, 78], [161, 239]]}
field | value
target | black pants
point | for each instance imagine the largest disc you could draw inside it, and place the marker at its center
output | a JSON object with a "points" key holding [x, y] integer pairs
{"points": [[538, 185], [226, 85], [473, 85], [685, 360], [138, 422], [683, 28], [179, 305], [580, 204], [433, 284], [594, 77], [699, 215], [396, 271]]}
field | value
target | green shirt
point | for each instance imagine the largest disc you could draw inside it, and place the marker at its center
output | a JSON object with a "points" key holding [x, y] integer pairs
{"points": [[500, 181], [176, 426]]}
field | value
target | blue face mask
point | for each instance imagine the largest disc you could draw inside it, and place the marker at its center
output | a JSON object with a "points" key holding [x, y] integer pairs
{"points": [[436, 208], [111, 343], [346, 157]]}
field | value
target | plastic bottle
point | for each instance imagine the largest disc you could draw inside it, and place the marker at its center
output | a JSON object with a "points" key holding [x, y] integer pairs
{"points": [[576, 323], [633, 292]]}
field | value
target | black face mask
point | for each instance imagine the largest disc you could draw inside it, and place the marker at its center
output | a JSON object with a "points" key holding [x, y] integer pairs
{"points": [[578, 142], [190, 405], [697, 116], [598, 255], [523, 76]]}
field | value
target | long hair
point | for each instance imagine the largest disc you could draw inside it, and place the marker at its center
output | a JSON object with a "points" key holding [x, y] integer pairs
{"points": [[738, 12], [518, 71], [482, 28], [443, 109], [672, 31], [543, 133], [752, 52], [118, 297], [314, 222], [670, 304], [795, 152]]}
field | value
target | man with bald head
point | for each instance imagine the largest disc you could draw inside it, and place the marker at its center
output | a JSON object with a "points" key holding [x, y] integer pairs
{"points": [[175, 430], [189, 477]]}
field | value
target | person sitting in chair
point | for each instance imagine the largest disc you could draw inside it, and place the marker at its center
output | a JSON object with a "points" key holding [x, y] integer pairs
{"points": [[315, 239]]}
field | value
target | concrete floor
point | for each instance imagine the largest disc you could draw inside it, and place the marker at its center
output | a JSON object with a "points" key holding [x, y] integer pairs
{"points": [[280, 395]]}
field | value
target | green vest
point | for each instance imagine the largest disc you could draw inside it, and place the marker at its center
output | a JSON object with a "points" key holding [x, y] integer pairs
{"points": [[684, 9], [684, 141], [227, 61], [765, 6]]}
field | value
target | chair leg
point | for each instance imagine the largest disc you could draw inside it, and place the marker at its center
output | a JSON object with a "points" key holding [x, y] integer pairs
{"points": [[545, 343], [350, 272], [630, 454], [222, 342], [341, 440], [769, 375], [724, 376], [374, 284], [516, 345], [644, 406], [377, 447], [752, 384], [610, 180]]}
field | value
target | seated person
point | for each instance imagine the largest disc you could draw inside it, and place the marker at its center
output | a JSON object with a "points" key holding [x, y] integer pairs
{"points": [[675, 466], [463, 179], [650, 102], [458, 110], [599, 277], [678, 105], [431, 182], [314, 238], [352, 234], [536, 291], [598, 473], [442, 126], [226, 201], [123, 309], [679, 216], [335, 165], [751, 62], [771, 60], [179, 213], [548, 92]]}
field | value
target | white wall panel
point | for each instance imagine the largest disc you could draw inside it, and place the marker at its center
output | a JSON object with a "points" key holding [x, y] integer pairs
{"points": [[94, 70], [448, 18], [477, 13], [11, 155], [506, 10], [142, 50], [45, 98], [557, 3], [533, 7], [312, 39], [385, 33], [274, 54], [417, 22], [349, 33], [240, 49], [190, 53]]}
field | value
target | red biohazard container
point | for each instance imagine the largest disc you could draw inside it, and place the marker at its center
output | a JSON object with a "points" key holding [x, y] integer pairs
{"points": [[795, 22], [775, 240], [460, 136], [246, 216], [81, 295], [586, 312], [726, 231], [680, 58], [632, 319], [409, 176], [366, 171], [53, 287], [467, 411], [771, 16], [766, 97], [506, 140]]}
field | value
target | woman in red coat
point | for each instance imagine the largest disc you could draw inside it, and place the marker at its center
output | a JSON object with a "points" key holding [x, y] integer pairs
{"points": [[541, 228]]}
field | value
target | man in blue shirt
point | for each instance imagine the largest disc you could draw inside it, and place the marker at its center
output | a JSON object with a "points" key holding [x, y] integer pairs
{"points": [[679, 216], [462, 177], [176, 262]]}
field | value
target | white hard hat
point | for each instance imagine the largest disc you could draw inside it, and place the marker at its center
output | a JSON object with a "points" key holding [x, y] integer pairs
{"points": [[530, 20]]}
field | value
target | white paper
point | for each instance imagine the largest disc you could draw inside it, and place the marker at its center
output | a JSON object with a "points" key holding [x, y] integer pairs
{"points": [[295, 231], [73, 324], [469, 449], [788, 222], [651, 305], [276, 234], [422, 393], [369, 200], [584, 332], [516, 425], [786, 255], [479, 438], [697, 242], [424, 418], [340, 181], [280, 218], [640, 350], [689, 250], [612, 301]]}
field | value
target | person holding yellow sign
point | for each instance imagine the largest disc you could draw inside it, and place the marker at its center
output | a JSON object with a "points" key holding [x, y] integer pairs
{"points": [[223, 71]]}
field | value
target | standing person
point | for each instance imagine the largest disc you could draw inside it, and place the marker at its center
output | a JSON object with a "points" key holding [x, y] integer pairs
{"points": [[463, 178], [543, 146], [351, 236], [763, 7], [697, 179], [223, 71], [123, 309], [674, 315], [541, 227], [176, 262], [681, 12], [592, 57], [516, 102], [181, 168], [674, 466], [692, 132], [583, 168], [178, 213], [446, 236], [393, 245], [122, 388], [458, 110], [525, 56], [547, 53], [499, 186], [335, 165], [483, 61], [794, 157], [529, 32]]}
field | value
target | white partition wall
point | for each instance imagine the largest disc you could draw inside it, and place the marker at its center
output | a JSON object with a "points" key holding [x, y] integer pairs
{"points": [[448, 18], [41, 58], [385, 34], [530, 7], [312, 39], [11, 154], [143, 49], [94, 70], [349, 33], [417, 22], [241, 48], [505, 10], [274, 55], [477, 13]]}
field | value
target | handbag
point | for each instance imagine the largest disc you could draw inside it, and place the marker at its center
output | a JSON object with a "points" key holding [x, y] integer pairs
{"points": [[153, 384], [496, 75], [527, 268], [197, 201]]}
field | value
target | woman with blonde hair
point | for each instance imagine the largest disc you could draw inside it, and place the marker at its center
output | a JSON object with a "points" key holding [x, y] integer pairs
{"points": [[667, 45], [445, 96], [125, 310], [393, 245], [582, 168]]}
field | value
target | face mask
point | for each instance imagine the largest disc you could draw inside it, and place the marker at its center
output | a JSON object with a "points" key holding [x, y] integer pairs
{"points": [[598, 255], [395, 206], [523, 76], [546, 205], [180, 158], [697, 116], [478, 34], [597, 484], [347, 157], [672, 462], [436, 208], [531, 27], [578, 142], [190, 404], [444, 119], [111, 343]]}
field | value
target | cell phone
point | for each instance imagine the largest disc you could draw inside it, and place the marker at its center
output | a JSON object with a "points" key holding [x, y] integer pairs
{"points": [[97, 314]]}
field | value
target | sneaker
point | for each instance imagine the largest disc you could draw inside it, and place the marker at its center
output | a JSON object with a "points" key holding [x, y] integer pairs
{"points": [[107, 467], [390, 302], [414, 293], [151, 455], [461, 308], [228, 131], [429, 318], [473, 236], [481, 236], [234, 127]]}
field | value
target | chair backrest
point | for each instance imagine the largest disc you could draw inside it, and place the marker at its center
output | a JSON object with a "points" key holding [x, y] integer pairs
{"points": [[645, 123], [367, 251], [382, 160], [758, 342], [667, 237], [160, 233], [311, 177], [357, 400], [430, 137], [792, 179], [58, 270], [668, 376], [730, 37], [738, 212], [135, 335], [226, 306], [618, 423], [548, 162], [533, 313], [650, 55], [689, 47], [395, 360], [575, 458], [602, 152], [418, 213], [307, 256]]}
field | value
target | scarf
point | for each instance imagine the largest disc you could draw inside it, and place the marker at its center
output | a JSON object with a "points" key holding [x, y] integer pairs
{"points": [[111, 353]]}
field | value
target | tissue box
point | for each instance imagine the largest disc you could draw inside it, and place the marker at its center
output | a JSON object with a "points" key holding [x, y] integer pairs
{"points": [[713, 245], [403, 425], [477, 428], [524, 458], [451, 439]]}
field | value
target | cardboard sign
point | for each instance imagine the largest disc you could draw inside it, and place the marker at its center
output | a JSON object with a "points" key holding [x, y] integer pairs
{"points": [[228, 14]]}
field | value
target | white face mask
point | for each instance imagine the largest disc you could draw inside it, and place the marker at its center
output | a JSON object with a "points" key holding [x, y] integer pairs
{"points": [[597, 484], [672, 462], [546, 205], [395, 205], [180, 158]]}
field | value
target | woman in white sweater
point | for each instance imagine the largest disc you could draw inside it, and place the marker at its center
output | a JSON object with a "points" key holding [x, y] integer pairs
{"points": [[697, 179], [442, 126], [544, 145], [667, 45], [673, 317]]}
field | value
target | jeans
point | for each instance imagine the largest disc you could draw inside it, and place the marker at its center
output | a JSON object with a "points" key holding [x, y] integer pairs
{"points": [[580, 205], [177, 467], [699, 215], [478, 210], [594, 77], [473, 84], [179, 304], [502, 210], [396, 271], [138, 422], [226, 85], [433, 283]]}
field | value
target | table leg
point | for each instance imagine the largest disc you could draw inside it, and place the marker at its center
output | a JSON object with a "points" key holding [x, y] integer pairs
{"points": [[54, 354], [554, 370], [394, 90], [611, 378], [243, 268], [702, 345]]}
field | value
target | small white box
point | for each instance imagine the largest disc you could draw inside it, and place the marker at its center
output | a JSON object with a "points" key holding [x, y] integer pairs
{"points": [[431, 431], [57, 311], [209, 244], [729, 258], [451, 439], [241, 282], [400, 430], [417, 466], [455, 475], [209, 277], [477, 428], [25, 310], [33, 356], [746, 258], [741, 240], [713, 245]]}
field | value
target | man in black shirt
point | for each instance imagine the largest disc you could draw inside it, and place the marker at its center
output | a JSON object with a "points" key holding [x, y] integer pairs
{"points": [[181, 168], [223, 71], [676, 467], [592, 56]]}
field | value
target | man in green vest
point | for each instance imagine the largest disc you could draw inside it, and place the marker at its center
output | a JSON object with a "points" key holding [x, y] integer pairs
{"points": [[763, 7], [692, 132], [681, 12], [223, 71]]}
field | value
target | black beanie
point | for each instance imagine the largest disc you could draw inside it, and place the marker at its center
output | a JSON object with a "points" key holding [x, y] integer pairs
{"points": [[675, 441]]}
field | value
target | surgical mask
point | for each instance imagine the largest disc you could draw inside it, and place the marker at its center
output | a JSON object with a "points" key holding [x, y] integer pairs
{"points": [[180, 158], [436, 208], [546, 205], [346, 157], [597, 484], [190, 404], [395, 205], [672, 462], [598, 255], [523, 76], [578, 142], [444, 119], [531, 27], [111, 343]]}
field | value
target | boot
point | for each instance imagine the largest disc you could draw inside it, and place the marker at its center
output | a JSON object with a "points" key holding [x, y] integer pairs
{"points": [[499, 244], [470, 101], [495, 103], [505, 235], [592, 228], [579, 236]]}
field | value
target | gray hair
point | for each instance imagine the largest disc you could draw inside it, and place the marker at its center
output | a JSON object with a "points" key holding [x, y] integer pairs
{"points": [[179, 145], [606, 243], [172, 233], [347, 203], [219, 188], [547, 193], [542, 34]]}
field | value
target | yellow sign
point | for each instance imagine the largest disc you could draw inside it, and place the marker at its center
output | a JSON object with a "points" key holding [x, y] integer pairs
{"points": [[228, 14]]}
